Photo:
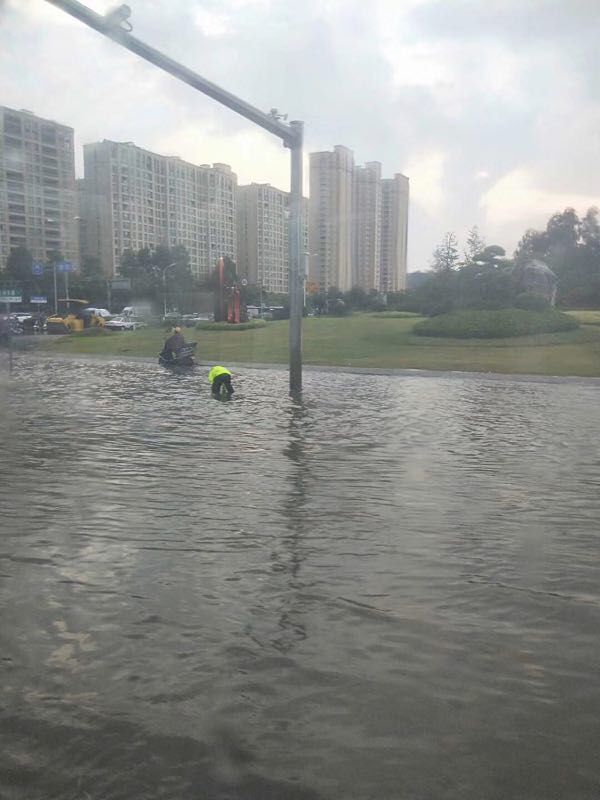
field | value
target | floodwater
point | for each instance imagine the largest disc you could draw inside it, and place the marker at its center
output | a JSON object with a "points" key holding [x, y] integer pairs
{"points": [[389, 591]]}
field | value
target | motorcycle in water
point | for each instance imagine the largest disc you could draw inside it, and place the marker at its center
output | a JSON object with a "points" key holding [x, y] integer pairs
{"points": [[184, 357]]}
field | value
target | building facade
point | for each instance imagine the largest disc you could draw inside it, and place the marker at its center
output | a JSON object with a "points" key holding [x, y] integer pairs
{"points": [[366, 219], [394, 233], [38, 197], [330, 218], [358, 224], [133, 198], [263, 235]]}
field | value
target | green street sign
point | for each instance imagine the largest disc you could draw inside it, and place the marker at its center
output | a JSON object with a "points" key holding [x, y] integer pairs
{"points": [[11, 296]]}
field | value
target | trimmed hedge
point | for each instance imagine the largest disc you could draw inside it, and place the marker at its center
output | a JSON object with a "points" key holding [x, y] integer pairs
{"points": [[501, 324], [530, 301], [395, 315], [228, 326]]}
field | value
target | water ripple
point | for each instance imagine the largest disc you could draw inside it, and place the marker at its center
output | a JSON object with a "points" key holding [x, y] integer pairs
{"points": [[390, 590]]}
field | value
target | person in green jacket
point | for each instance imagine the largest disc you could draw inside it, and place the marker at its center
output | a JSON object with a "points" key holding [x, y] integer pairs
{"points": [[220, 381]]}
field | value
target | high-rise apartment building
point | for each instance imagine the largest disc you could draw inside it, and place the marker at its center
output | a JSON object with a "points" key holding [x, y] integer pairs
{"points": [[133, 198], [358, 224], [38, 199], [366, 224], [394, 233], [263, 235], [330, 218]]}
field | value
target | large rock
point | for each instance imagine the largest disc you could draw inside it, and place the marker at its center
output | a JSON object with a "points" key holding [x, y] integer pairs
{"points": [[536, 276]]}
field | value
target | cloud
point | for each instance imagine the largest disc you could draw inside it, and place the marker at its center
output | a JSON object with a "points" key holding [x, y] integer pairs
{"points": [[211, 23], [238, 150], [476, 102], [516, 196], [426, 171]]}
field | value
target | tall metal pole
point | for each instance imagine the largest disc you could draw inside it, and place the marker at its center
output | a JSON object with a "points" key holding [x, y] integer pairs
{"points": [[55, 290], [296, 268], [291, 135], [10, 340]]}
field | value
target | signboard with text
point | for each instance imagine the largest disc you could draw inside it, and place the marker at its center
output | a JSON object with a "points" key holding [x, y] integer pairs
{"points": [[120, 285], [39, 300], [65, 266], [11, 296]]}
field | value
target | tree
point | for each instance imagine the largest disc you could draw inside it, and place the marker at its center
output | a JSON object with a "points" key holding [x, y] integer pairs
{"points": [[153, 277], [19, 264], [590, 230], [356, 298], [534, 244], [475, 245], [571, 247], [90, 282], [490, 256], [445, 255]]}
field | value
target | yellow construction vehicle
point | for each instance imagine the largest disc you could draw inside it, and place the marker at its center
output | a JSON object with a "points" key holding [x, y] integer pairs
{"points": [[72, 316]]}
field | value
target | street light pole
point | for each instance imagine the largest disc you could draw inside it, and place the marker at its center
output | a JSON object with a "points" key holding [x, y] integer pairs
{"points": [[164, 285], [291, 136], [55, 289], [295, 278]]}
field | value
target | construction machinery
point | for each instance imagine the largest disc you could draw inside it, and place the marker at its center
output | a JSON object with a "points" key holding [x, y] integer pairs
{"points": [[73, 316]]}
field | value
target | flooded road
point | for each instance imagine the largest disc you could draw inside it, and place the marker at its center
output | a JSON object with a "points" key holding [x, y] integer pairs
{"points": [[389, 591]]}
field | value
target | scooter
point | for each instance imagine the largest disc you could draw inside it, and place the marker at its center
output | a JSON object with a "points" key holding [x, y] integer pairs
{"points": [[184, 357]]}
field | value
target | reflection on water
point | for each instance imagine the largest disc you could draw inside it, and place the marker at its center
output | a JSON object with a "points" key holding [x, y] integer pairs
{"points": [[388, 589]]}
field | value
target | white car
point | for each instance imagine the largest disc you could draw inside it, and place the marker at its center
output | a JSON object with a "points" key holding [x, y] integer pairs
{"points": [[100, 312], [124, 324], [21, 316]]}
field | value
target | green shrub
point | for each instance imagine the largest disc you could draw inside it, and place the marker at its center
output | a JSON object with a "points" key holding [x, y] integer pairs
{"points": [[500, 324], [531, 301], [395, 315], [228, 326]]}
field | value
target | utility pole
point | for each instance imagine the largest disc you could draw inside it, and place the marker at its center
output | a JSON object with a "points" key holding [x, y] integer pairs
{"points": [[55, 288], [291, 135], [164, 285]]}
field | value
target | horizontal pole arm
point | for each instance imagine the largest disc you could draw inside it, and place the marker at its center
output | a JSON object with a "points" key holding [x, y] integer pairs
{"points": [[113, 31]]}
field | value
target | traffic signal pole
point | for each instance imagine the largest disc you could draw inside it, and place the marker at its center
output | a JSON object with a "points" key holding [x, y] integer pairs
{"points": [[291, 135]]}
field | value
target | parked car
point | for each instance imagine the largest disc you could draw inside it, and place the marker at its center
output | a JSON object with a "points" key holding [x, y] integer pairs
{"points": [[21, 316], [100, 312], [141, 311], [124, 324], [189, 320]]}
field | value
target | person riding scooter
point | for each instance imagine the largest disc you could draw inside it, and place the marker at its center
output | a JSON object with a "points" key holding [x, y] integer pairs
{"points": [[174, 343]]}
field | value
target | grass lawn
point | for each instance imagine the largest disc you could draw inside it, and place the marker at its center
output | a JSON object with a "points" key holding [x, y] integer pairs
{"points": [[586, 317], [361, 341]]}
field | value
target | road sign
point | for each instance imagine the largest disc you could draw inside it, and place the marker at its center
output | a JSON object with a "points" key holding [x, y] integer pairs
{"points": [[37, 268], [11, 296], [65, 266], [38, 300], [120, 284]]}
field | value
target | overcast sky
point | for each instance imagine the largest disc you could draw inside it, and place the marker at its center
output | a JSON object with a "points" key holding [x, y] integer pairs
{"points": [[491, 107]]}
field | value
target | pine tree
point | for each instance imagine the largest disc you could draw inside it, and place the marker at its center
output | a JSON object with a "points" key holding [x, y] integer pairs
{"points": [[445, 255], [475, 245]]}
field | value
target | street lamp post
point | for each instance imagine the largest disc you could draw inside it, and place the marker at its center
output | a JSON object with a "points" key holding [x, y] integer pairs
{"points": [[164, 285], [291, 135], [55, 289]]}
